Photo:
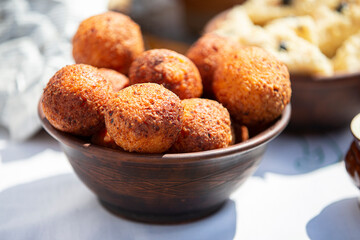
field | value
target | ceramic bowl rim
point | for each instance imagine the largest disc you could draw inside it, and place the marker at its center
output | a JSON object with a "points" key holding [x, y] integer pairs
{"points": [[80, 144]]}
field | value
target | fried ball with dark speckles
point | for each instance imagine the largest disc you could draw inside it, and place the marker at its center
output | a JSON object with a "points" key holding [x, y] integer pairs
{"points": [[206, 126], [108, 40], [74, 99], [118, 81], [207, 52], [171, 69], [253, 85], [144, 118]]}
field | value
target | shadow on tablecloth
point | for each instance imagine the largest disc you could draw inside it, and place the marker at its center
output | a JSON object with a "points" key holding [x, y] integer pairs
{"points": [[339, 220], [61, 207], [26, 149], [294, 154]]}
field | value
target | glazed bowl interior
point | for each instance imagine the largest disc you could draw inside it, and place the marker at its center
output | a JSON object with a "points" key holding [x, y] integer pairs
{"points": [[169, 187]]}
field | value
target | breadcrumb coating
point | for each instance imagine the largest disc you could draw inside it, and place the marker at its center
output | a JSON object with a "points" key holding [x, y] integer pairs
{"points": [[108, 40], [207, 52], [171, 69], [144, 118], [74, 99], [118, 81], [206, 126], [253, 86]]}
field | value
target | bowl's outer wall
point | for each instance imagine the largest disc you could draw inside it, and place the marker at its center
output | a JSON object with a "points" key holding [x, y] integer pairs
{"points": [[166, 189], [352, 162], [324, 104]]}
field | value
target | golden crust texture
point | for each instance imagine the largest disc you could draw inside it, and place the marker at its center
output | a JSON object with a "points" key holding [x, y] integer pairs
{"points": [[253, 86], [172, 70], [206, 126], [118, 81], [207, 53], [144, 118], [108, 40], [74, 99]]}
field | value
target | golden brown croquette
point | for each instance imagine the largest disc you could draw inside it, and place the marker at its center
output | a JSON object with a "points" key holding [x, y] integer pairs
{"points": [[253, 85], [144, 118], [108, 40], [118, 81], [74, 99], [171, 69], [206, 126], [207, 52]]}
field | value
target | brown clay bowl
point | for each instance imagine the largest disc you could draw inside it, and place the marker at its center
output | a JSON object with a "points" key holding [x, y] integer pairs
{"points": [[352, 157], [169, 187], [324, 102], [198, 12], [318, 103]]}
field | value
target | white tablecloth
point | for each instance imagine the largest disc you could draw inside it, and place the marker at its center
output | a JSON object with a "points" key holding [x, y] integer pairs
{"points": [[300, 191]]}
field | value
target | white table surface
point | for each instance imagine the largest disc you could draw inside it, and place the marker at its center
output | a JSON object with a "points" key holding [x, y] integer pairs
{"points": [[300, 191]]}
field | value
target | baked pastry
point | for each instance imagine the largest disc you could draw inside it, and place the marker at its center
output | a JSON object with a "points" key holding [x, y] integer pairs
{"points": [[347, 57], [295, 49]]}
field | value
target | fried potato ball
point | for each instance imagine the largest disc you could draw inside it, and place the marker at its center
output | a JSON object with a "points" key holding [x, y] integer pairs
{"points": [[144, 118], [74, 99], [253, 85], [206, 53], [206, 126], [171, 69], [108, 40], [102, 138], [118, 81]]}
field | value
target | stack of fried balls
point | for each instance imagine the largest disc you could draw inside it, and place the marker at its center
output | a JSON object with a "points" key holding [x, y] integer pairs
{"points": [[123, 97]]}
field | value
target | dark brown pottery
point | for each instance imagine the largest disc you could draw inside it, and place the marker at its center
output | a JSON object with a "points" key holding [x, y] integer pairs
{"points": [[352, 157], [198, 12], [164, 188], [324, 102], [215, 22]]}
